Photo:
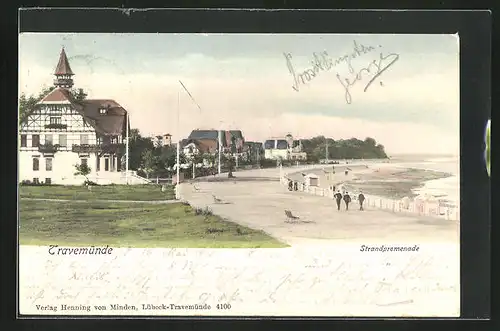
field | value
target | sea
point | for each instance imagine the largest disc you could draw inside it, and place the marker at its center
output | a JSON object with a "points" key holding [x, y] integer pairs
{"points": [[444, 188]]}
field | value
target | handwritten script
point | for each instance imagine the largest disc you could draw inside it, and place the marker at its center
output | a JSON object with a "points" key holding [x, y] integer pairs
{"points": [[289, 281], [323, 62]]}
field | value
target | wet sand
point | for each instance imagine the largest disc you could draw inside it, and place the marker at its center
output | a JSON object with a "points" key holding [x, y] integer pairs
{"points": [[388, 182], [393, 183]]}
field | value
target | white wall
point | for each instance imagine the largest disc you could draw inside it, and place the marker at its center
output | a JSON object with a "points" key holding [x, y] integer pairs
{"points": [[63, 168], [276, 153]]}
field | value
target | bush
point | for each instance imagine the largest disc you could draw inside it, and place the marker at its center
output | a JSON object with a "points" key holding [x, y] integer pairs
{"points": [[214, 230], [30, 183], [267, 163], [90, 183], [141, 173], [207, 212]]}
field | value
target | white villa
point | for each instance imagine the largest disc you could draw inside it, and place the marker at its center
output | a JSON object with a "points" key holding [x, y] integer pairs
{"points": [[284, 148], [60, 132]]}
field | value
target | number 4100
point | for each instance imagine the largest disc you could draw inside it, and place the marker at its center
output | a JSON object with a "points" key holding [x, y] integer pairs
{"points": [[223, 306]]}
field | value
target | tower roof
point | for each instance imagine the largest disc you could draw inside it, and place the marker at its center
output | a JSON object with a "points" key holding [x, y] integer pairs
{"points": [[63, 67]]}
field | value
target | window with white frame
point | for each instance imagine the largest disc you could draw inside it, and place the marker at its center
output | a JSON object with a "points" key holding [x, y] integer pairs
{"points": [[63, 140], [84, 139], [36, 164], [48, 164]]}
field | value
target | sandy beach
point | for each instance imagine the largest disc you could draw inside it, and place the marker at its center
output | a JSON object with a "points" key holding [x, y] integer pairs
{"points": [[381, 180]]}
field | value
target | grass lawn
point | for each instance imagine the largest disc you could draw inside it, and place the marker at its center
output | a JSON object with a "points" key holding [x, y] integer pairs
{"points": [[132, 225], [145, 192]]}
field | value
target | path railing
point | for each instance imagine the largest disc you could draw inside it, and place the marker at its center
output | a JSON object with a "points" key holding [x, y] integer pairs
{"points": [[431, 208]]}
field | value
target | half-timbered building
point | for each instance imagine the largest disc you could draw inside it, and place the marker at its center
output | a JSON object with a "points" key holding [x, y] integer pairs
{"points": [[61, 131]]}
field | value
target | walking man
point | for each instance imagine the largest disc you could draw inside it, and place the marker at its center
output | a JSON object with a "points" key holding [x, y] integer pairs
{"points": [[361, 199], [338, 199], [347, 200]]}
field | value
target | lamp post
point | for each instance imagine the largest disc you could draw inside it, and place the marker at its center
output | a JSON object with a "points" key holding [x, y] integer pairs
{"points": [[127, 147], [177, 193], [220, 152]]}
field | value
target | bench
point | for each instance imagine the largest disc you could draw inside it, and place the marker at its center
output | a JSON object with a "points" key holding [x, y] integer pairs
{"points": [[217, 200], [290, 216]]}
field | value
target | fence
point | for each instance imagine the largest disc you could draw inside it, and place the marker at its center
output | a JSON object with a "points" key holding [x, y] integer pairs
{"points": [[159, 180], [411, 207]]}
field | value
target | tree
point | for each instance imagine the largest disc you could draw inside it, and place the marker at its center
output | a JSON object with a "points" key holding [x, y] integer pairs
{"points": [[352, 148], [83, 170], [150, 162], [78, 94], [157, 142], [168, 156], [137, 146], [370, 142], [196, 159], [231, 160], [27, 102]]}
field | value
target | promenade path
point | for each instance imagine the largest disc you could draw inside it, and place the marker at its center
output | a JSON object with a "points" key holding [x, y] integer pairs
{"points": [[255, 198]]}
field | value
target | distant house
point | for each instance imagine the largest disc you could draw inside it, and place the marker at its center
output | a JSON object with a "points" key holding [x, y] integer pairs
{"points": [[192, 147], [204, 134], [236, 137], [165, 139], [284, 148], [227, 138], [312, 180]]}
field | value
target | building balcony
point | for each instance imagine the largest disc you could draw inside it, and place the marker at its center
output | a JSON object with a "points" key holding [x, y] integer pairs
{"points": [[101, 149], [56, 126], [64, 81], [48, 148]]}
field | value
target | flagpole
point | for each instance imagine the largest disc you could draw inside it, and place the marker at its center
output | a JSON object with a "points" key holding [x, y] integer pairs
{"points": [[326, 150], [178, 142], [127, 147], [220, 150]]}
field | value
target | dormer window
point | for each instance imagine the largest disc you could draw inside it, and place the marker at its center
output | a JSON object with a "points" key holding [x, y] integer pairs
{"points": [[103, 111]]}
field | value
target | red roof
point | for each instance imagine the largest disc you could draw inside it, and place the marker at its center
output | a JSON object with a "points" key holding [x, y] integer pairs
{"points": [[57, 95], [207, 145], [63, 67], [203, 145]]}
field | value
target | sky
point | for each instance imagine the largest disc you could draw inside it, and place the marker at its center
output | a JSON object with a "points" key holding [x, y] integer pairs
{"points": [[244, 82]]}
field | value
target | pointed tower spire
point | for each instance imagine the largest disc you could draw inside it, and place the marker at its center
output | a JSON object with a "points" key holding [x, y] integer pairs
{"points": [[63, 72]]}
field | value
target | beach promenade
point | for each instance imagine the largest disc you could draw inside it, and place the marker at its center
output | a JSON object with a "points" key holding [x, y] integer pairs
{"points": [[255, 198]]}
